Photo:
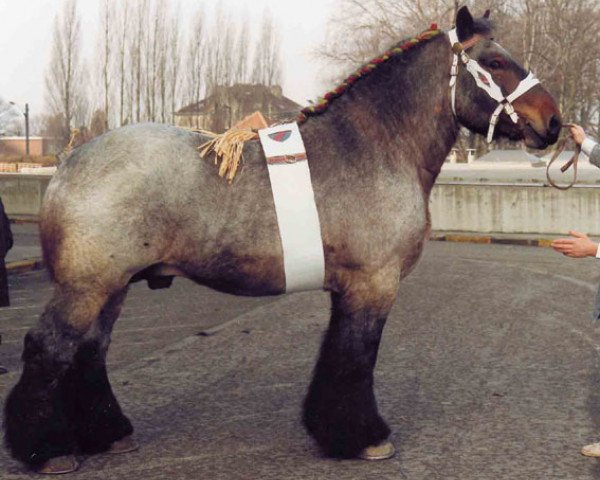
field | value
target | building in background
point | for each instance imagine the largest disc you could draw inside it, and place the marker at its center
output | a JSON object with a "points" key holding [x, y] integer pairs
{"points": [[38, 146], [228, 105], [461, 156]]}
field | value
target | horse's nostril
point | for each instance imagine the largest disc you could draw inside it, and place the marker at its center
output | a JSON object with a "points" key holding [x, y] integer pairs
{"points": [[554, 126]]}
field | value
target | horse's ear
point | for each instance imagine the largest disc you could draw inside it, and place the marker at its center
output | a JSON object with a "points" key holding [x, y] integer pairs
{"points": [[487, 13], [464, 24]]}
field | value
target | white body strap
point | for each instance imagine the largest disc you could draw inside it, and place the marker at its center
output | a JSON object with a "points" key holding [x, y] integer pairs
{"points": [[297, 216], [485, 81]]}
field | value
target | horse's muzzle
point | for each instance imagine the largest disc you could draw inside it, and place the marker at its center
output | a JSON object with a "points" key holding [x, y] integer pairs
{"points": [[554, 127]]}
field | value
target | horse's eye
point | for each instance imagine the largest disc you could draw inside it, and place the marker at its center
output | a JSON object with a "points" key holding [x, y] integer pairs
{"points": [[494, 64]]}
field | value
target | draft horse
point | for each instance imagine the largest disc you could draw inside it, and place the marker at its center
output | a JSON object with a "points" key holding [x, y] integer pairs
{"points": [[138, 203]]}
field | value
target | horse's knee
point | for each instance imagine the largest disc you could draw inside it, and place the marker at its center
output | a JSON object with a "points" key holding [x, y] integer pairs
{"points": [[74, 308]]}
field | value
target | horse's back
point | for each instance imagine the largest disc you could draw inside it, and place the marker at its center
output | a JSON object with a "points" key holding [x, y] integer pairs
{"points": [[108, 161]]}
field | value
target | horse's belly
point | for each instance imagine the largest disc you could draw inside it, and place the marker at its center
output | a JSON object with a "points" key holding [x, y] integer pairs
{"points": [[239, 275]]}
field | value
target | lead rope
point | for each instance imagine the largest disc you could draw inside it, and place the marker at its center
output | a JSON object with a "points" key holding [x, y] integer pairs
{"points": [[572, 162]]}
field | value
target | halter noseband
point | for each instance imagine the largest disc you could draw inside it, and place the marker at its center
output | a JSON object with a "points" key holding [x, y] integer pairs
{"points": [[485, 81]]}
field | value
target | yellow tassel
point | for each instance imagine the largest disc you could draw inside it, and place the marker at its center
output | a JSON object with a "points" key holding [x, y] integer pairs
{"points": [[228, 148], [74, 135]]}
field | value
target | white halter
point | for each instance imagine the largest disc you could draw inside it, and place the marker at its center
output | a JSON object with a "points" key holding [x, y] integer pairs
{"points": [[485, 81]]}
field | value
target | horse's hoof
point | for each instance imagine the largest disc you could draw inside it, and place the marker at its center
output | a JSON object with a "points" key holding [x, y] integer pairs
{"points": [[60, 465], [125, 445], [383, 451], [591, 450]]}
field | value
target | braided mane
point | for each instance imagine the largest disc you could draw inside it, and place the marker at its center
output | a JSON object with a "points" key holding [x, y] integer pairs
{"points": [[326, 100]]}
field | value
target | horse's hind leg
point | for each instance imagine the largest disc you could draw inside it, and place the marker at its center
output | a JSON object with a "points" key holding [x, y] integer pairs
{"points": [[90, 403], [64, 381], [340, 410]]}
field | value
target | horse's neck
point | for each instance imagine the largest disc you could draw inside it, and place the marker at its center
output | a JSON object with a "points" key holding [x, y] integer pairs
{"points": [[398, 113]]}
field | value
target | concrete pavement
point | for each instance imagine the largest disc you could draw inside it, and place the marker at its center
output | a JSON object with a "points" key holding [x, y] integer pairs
{"points": [[488, 369], [26, 242]]}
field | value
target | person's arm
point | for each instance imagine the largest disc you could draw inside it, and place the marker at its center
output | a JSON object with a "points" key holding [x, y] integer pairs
{"points": [[578, 246], [588, 146], [592, 150]]}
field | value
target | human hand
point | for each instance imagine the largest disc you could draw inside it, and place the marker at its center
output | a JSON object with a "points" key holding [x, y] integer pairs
{"points": [[578, 246], [577, 133]]}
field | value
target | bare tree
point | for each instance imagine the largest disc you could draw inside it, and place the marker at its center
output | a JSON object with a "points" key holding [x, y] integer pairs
{"points": [[64, 86], [173, 51], [146, 67], [547, 37], [53, 126], [242, 51], [36, 123], [157, 62], [106, 42], [374, 25], [220, 51], [572, 67], [122, 57], [267, 57], [98, 123], [138, 54], [147, 60], [196, 54]]}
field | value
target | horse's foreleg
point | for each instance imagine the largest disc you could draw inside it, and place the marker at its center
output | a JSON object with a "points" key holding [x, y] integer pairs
{"points": [[340, 410], [89, 400], [38, 422]]}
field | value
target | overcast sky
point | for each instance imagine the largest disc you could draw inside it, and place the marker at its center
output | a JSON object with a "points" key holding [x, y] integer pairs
{"points": [[26, 38]]}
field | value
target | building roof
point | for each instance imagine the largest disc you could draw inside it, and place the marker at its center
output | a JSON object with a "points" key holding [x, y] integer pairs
{"points": [[254, 121], [251, 97]]}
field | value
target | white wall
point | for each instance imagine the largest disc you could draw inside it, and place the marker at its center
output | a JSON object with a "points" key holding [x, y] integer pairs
{"points": [[22, 194], [499, 208]]}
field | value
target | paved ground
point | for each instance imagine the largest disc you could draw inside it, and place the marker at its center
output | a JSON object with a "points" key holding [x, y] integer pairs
{"points": [[26, 242], [489, 369]]}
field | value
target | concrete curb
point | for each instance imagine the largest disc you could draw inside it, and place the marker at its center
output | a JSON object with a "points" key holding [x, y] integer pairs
{"points": [[522, 241], [23, 266], [24, 219]]}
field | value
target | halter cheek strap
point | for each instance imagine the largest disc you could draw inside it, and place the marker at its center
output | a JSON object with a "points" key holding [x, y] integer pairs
{"points": [[485, 81]]}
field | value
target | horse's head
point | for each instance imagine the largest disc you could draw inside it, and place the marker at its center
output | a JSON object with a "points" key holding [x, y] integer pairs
{"points": [[490, 83]]}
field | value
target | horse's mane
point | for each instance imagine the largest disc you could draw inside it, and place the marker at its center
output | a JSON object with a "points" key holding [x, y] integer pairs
{"points": [[481, 26], [348, 83]]}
